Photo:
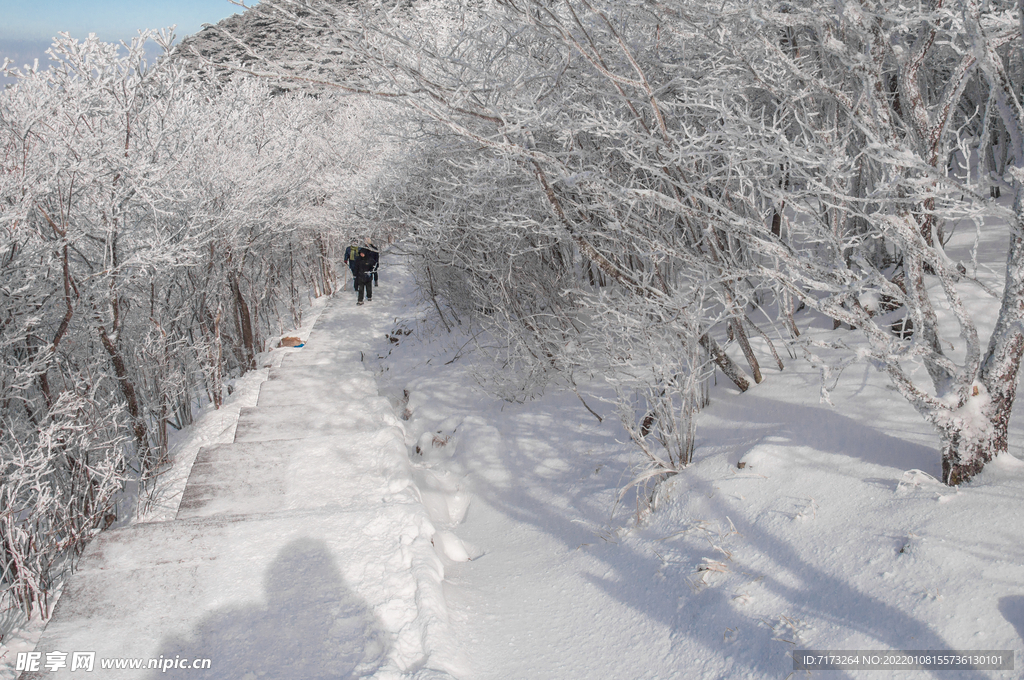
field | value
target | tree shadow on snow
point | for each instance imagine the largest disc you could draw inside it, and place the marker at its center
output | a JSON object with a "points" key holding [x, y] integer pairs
{"points": [[635, 577], [311, 627], [823, 429], [810, 596]]}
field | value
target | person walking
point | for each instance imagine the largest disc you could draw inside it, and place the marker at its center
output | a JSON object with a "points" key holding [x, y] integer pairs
{"points": [[364, 276], [351, 258], [373, 255]]}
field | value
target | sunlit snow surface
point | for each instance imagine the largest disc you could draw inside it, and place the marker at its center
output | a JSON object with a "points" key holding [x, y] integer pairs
{"points": [[381, 515], [833, 535]]}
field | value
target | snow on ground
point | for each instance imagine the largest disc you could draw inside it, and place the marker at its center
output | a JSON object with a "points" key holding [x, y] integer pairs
{"points": [[799, 526]]}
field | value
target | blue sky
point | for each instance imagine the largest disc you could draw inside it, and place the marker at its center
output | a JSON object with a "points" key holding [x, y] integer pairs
{"points": [[26, 26]]}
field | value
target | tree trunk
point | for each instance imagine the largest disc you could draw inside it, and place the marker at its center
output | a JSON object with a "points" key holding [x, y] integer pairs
{"points": [[325, 264], [127, 389], [787, 314], [748, 351], [245, 322], [764, 336], [964, 455], [722, 360]]}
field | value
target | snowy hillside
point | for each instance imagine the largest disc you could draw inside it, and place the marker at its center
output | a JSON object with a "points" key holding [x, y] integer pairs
{"points": [[799, 526]]}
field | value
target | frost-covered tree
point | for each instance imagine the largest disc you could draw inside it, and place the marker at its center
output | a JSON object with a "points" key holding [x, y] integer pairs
{"points": [[815, 149], [154, 232], [870, 98], [998, 371], [695, 169], [75, 187]]}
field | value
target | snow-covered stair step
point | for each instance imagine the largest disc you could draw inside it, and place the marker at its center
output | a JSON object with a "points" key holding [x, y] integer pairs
{"points": [[323, 375], [313, 419], [290, 386], [284, 475], [310, 356], [303, 550], [294, 595]]}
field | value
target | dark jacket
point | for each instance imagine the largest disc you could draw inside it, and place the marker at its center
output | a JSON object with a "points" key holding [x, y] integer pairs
{"points": [[364, 267], [372, 255]]}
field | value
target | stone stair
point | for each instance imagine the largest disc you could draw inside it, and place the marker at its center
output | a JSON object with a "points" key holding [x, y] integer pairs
{"points": [[252, 573]]}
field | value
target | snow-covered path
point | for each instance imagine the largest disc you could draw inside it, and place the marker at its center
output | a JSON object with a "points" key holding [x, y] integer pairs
{"points": [[301, 550], [380, 514]]}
